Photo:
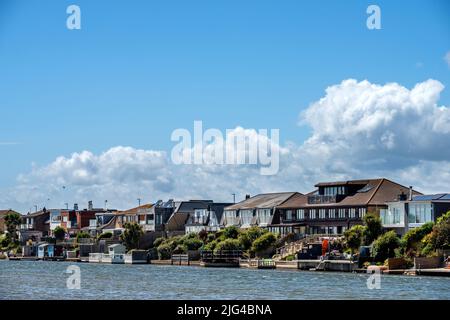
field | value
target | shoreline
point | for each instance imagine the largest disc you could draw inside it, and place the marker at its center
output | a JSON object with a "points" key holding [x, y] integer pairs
{"points": [[283, 266]]}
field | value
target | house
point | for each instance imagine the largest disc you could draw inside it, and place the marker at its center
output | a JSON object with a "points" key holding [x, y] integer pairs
{"points": [[76, 220], [34, 226], [132, 215], [194, 216], [335, 207], [158, 215], [255, 211], [410, 212], [206, 219], [3, 214]]}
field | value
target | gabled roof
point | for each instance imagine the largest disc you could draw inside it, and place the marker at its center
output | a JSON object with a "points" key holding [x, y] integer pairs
{"points": [[375, 192], [5, 212], [263, 201]]}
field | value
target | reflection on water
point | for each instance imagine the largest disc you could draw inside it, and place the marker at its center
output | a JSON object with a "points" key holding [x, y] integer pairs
{"points": [[47, 280]]}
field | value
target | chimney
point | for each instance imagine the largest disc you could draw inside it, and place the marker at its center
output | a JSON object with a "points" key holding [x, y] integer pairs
{"points": [[75, 206], [90, 206], [247, 196], [410, 193]]}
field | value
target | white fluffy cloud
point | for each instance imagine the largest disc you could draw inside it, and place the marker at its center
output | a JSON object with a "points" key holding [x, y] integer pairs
{"points": [[359, 130]]}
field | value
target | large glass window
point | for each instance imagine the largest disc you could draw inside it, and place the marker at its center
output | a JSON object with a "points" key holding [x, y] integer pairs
{"points": [[312, 213], [322, 214], [332, 213], [419, 213], [230, 217], [300, 214]]}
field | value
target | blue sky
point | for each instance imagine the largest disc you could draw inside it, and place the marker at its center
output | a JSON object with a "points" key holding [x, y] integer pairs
{"points": [[140, 69]]}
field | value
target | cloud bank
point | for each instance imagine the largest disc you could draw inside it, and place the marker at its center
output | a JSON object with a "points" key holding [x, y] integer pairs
{"points": [[359, 130]]}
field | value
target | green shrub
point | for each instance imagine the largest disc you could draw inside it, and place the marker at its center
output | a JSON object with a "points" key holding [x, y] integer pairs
{"points": [[180, 249], [158, 242], [384, 247], [164, 251], [83, 235], [210, 246], [231, 232], [264, 242], [228, 245], [105, 235], [193, 244], [411, 242]]}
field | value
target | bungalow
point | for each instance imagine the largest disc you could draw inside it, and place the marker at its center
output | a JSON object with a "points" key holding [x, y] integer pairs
{"points": [[334, 207], [255, 211], [414, 211], [3, 213], [194, 216]]}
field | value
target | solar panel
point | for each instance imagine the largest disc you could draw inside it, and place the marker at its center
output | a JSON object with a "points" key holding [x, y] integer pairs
{"points": [[428, 197], [446, 197]]}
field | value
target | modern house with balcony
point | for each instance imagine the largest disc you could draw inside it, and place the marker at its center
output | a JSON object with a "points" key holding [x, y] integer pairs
{"points": [[158, 215], [194, 216], [255, 211], [412, 212], [335, 207], [140, 215]]}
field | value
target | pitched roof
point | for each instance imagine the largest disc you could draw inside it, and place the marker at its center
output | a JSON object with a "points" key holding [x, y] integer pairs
{"points": [[263, 201], [5, 212], [374, 192], [135, 211]]}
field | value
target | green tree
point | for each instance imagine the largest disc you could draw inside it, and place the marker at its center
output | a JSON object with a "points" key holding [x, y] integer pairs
{"points": [[373, 230], [193, 244], [59, 233], [12, 222], [384, 247], [439, 238], [131, 235], [105, 235], [354, 237]]}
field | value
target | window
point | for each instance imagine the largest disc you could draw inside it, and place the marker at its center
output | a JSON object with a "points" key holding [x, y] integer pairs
{"points": [[200, 215], [312, 214], [362, 212], [288, 215], [65, 219], [322, 213], [352, 213], [342, 213], [230, 217], [332, 213], [264, 216], [246, 217], [300, 214]]}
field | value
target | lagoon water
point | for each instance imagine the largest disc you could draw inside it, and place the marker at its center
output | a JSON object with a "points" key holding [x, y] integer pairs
{"points": [[47, 280]]}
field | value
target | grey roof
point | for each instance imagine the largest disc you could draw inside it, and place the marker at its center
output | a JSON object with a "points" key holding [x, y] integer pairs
{"points": [[263, 201]]}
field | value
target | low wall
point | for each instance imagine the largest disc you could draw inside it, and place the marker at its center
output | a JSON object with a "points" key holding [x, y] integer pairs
{"points": [[397, 264], [428, 263]]}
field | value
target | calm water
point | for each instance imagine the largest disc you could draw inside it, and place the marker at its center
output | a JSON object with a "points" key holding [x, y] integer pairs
{"points": [[47, 280]]}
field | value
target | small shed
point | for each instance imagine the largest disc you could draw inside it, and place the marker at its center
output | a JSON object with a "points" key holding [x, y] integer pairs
{"points": [[117, 249]]}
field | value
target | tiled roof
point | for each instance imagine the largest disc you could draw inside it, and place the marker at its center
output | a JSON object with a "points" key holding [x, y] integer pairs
{"points": [[375, 192], [263, 201]]}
